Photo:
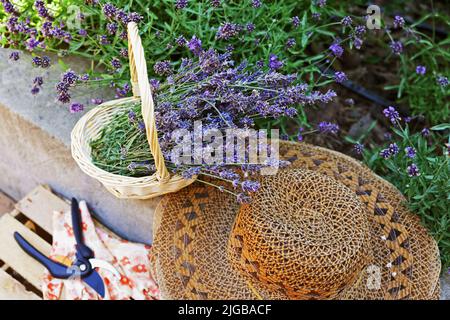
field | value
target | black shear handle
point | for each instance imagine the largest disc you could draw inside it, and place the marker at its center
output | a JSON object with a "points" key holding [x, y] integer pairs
{"points": [[77, 227], [56, 269]]}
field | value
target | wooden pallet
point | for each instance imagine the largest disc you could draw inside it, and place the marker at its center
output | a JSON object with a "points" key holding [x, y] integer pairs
{"points": [[21, 275]]}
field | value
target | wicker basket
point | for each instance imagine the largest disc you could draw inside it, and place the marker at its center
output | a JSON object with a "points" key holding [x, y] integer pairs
{"points": [[89, 127]]}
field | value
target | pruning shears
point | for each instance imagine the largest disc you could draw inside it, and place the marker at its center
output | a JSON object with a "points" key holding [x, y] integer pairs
{"points": [[84, 264]]}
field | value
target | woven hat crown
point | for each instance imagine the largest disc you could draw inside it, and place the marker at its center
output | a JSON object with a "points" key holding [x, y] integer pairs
{"points": [[304, 234]]}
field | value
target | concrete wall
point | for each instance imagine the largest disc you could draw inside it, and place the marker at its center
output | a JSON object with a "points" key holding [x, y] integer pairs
{"points": [[35, 148]]}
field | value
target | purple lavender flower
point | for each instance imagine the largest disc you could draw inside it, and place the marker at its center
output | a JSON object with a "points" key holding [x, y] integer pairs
{"points": [[359, 148], [135, 17], [37, 85], [191, 172], [103, 39], [250, 27], [399, 22], [243, 198], [124, 52], [38, 81], [316, 16], [340, 77], [393, 149], [410, 152], [421, 70], [9, 8], [109, 10], [76, 107], [425, 132], [121, 16], [11, 24], [295, 21], [69, 77], [387, 136], [82, 32], [97, 101], [195, 45], [36, 61], [442, 81], [64, 97], [181, 41], [122, 92], [360, 30], [115, 63], [42, 11], [46, 29], [391, 114], [112, 28], [131, 116], [43, 62], [321, 3], [328, 127], [290, 43], [256, 3], [385, 153], [154, 83], [357, 42], [274, 63], [32, 44], [141, 126], [336, 50], [228, 30], [250, 186], [216, 3], [14, 56], [346, 21], [35, 90], [396, 47], [181, 4], [84, 77], [123, 35], [62, 87], [299, 134], [162, 68], [413, 170], [326, 97]]}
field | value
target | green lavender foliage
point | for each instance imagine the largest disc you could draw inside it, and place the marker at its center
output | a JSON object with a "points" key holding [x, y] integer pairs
{"points": [[428, 194]]}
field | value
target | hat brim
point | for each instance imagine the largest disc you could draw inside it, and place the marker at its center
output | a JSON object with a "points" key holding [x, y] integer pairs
{"points": [[192, 226]]}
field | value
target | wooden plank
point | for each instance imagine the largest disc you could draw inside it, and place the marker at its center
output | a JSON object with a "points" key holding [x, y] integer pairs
{"points": [[11, 289], [6, 203], [39, 205], [15, 257]]}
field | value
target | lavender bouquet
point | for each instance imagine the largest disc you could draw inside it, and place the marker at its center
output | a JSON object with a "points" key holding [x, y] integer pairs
{"points": [[210, 89]]}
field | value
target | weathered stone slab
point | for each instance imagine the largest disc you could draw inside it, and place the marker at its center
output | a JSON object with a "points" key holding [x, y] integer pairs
{"points": [[35, 147]]}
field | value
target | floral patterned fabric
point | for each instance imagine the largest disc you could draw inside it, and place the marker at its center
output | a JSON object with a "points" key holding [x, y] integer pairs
{"points": [[131, 260]]}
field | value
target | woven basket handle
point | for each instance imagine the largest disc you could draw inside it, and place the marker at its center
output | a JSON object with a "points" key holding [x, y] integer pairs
{"points": [[141, 88]]}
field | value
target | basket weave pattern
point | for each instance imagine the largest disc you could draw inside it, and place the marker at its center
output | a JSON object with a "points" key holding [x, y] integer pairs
{"points": [[89, 128], [319, 222]]}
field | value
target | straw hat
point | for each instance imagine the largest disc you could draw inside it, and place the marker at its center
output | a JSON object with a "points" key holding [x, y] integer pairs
{"points": [[325, 228]]}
